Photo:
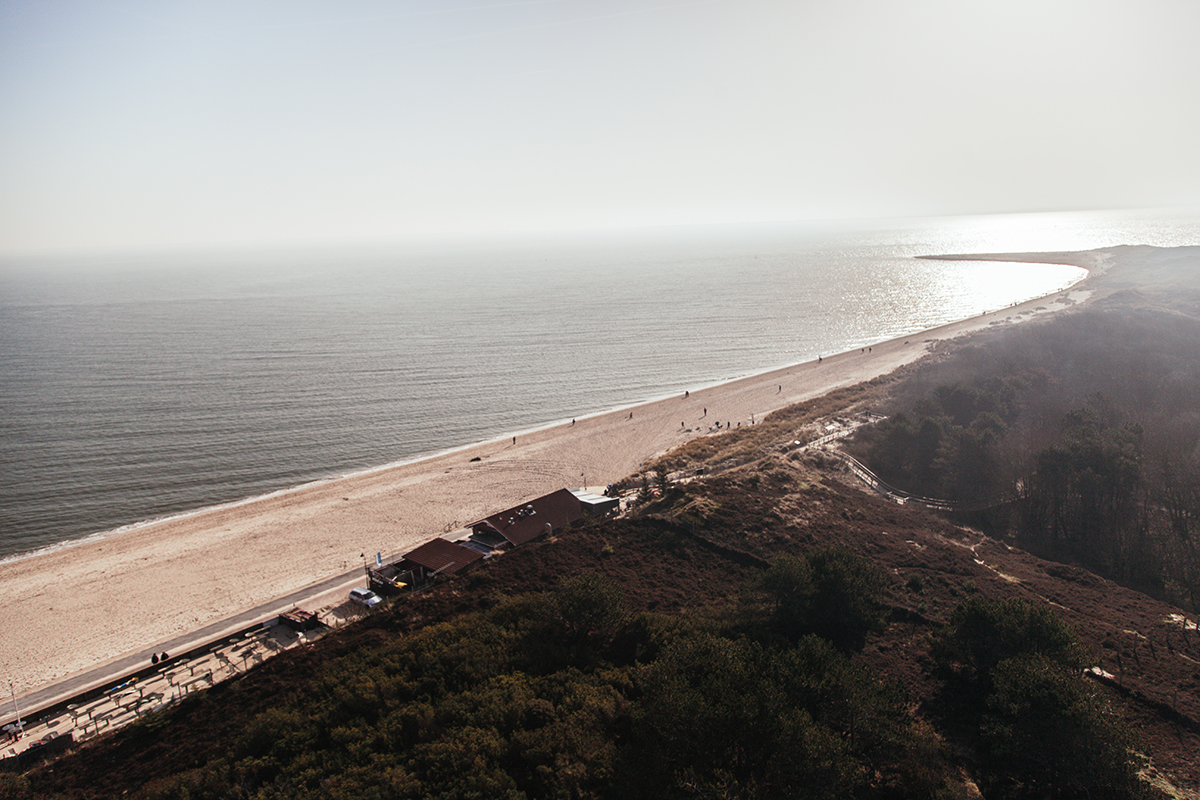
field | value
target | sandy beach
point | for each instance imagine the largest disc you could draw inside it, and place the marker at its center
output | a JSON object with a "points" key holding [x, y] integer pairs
{"points": [[80, 606]]}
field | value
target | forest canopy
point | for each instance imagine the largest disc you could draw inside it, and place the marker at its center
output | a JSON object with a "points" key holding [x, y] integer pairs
{"points": [[1078, 438]]}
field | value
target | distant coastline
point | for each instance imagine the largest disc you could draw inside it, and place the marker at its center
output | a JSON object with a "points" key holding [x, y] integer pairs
{"points": [[136, 394], [99, 536], [157, 580]]}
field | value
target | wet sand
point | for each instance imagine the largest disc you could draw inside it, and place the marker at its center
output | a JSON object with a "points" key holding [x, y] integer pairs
{"points": [[80, 606]]}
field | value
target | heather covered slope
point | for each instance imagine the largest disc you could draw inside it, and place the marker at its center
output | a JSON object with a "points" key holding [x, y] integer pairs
{"points": [[518, 695], [763, 623]]}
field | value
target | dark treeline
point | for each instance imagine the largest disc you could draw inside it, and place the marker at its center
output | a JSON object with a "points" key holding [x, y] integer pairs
{"points": [[568, 694], [1079, 438]]}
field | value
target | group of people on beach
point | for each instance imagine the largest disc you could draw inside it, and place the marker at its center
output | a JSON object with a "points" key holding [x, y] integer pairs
{"points": [[687, 394]]}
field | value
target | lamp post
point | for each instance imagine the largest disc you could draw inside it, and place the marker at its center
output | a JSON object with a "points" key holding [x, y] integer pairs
{"points": [[20, 725]]}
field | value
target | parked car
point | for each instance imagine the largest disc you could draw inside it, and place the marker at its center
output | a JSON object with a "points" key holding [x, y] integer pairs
{"points": [[364, 597]]}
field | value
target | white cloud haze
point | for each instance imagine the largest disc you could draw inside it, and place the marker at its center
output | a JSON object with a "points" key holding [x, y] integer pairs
{"points": [[143, 124]]}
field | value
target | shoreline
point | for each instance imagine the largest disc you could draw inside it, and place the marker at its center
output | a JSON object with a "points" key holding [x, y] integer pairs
{"points": [[130, 527], [115, 592]]}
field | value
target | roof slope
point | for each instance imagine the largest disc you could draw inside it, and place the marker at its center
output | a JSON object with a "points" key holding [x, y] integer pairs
{"points": [[527, 521], [438, 555]]}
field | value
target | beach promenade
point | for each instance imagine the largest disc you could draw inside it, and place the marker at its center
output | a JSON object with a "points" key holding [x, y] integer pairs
{"points": [[117, 692], [122, 597]]}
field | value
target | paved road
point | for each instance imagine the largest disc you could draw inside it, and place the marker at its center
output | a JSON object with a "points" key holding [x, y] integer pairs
{"points": [[116, 671]]}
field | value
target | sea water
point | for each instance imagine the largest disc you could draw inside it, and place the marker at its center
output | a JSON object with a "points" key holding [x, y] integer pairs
{"points": [[142, 386]]}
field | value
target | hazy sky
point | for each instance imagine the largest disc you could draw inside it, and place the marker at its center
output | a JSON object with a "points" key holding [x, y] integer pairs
{"points": [[142, 124]]}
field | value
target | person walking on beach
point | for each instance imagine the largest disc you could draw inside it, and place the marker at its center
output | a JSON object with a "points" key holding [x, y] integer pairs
{"points": [[514, 440]]}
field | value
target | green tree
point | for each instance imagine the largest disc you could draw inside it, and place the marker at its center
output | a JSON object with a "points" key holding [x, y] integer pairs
{"points": [[846, 598], [726, 718], [645, 493], [591, 607], [788, 584], [1083, 499], [1012, 671], [1043, 728], [982, 633], [831, 591]]}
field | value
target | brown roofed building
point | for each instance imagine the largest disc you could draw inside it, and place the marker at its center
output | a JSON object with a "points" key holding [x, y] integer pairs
{"points": [[530, 520], [438, 557]]}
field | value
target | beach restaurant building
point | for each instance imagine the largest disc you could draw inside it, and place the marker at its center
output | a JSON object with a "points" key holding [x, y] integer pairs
{"points": [[546, 514], [488, 536], [438, 557]]}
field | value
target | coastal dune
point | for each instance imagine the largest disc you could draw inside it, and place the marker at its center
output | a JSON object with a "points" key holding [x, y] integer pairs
{"points": [[78, 607]]}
